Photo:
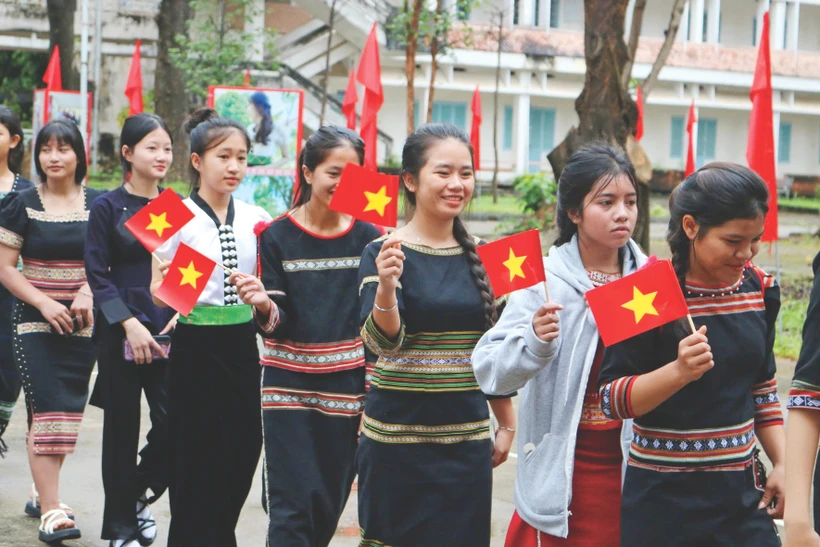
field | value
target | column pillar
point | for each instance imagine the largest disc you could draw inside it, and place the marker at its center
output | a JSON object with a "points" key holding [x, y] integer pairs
{"points": [[793, 28], [778, 22], [713, 22], [683, 31], [522, 136], [696, 21]]}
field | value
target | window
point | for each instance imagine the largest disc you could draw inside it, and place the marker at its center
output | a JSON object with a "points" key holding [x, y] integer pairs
{"points": [[450, 112], [542, 136], [555, 13], [784, 145], [676, 148], [515, 11], [707, 141], [754, 31], [508, 127], [536, 12]]}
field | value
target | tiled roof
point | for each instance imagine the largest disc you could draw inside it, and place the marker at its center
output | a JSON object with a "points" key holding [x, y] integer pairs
{"points": [[556, 43]]}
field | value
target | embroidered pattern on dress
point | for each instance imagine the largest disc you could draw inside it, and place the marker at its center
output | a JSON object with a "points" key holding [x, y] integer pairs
{"points": [[227, 243], [727, 304], [435, 434], [46, 328], [73, 216], [55, 432], [615, 398], [13, 239], [318, 264], [767, 404], [6, 410], [59, 279], [331, 404], [371, 279], [804, 395], [313, 357], [695, 449]]}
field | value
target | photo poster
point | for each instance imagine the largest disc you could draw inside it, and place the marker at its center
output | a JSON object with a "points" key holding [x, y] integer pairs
{"points": [[52, 105], [273, 118]]}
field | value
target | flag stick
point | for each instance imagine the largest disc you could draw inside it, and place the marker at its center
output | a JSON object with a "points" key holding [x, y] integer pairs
{"points": [[691, 323], [546, 290]]}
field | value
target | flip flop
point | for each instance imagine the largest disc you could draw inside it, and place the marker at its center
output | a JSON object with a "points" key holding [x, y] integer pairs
{"points": [[50, 520]]}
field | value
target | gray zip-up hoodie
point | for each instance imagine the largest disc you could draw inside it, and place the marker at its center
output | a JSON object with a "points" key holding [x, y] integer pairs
{"points": [[551, 378]]}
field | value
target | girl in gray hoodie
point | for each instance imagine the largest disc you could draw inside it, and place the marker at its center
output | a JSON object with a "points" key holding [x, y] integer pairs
{"points": [[570, 456]]}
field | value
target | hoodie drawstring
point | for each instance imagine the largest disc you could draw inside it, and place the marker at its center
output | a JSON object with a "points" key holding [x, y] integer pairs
{"points": [[538, 536], [572, 354]]}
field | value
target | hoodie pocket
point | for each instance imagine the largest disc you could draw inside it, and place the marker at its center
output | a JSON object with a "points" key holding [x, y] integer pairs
{"points": [[544, 478]]}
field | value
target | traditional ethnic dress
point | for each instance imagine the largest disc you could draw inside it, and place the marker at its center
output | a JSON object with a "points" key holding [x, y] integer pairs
{"points": [[215, 431], [10, 383], [313, 383], [691, 477], [119, 274], [55, 369], [425, 466], [805, 389]]}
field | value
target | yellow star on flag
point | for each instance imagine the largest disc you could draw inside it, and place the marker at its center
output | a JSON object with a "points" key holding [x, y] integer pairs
{"points": [[377, 201], [641, 304], [514, 265], [189, 275], [158, 223]]}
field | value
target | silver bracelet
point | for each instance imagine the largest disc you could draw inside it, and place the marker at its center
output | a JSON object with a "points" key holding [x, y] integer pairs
{"points": [[386, 310], [505, 428]]}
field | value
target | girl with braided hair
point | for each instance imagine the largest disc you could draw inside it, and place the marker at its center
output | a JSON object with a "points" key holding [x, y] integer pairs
{"points": [[571, 457], [698, 404], [426, 454]]}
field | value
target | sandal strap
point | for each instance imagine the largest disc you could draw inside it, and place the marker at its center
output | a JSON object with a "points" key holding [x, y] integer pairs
{"points": [[51, 518]]}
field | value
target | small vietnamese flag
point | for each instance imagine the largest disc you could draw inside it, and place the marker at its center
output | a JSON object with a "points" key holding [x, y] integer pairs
{"points": [[155, 223], [513, 262], [639, 302], [368, 196], [185, 280], [133, 87]]}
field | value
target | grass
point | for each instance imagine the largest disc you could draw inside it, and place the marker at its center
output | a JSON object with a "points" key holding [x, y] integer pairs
{"points": [[810, 204], [794, 300]]}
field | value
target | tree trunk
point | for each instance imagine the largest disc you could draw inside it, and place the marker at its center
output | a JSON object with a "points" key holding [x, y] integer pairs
{"points": [[171, 102], [434, 62], [61, 33], [494, 183], [326, 77], [410, 62], [666, 48], [634, 35]]}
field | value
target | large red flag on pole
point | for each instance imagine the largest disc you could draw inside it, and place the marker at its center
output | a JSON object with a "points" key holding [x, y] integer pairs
{"points": [[639, 124], [133, 88], [53, 77], [760, 146], [691, 130], [475, 130], [350, 100], [369, 75]]}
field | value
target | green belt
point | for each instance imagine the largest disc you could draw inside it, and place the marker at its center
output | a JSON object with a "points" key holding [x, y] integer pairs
{"points": [[217, 315]]}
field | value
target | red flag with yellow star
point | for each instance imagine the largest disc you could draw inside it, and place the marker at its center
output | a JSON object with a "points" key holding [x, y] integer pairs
{"points": [[513, 262], [185, 279], [639, 302], [155, 223], [368, 196]]}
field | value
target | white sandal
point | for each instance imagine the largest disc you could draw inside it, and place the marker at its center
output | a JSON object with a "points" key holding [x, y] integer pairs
{"points": [[32, 508], [52, 519]]}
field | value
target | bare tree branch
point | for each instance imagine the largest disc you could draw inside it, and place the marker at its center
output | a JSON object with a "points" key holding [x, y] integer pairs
{"points": [[634, 35], [666, 48]]}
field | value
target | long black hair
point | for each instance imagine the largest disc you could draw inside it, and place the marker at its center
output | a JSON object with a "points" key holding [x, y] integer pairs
{"points": [[135, 129], [413, 157], [316, 150], [265, 126], [207, 130], [713, 195], [11, 122], [596, 162], [67, 133]]}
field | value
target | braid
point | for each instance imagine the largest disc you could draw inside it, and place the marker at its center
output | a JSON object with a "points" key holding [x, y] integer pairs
{"points": [[477, 269], [679, 244]]}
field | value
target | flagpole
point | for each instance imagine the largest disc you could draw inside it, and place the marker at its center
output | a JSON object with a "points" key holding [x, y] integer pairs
{"points": [[546, 290], [691, 323]]}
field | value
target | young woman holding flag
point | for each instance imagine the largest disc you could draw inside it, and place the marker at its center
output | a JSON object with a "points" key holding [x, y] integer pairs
{"points": [[11, 158], [46, 226], [568, 486], [130, 359], [313, 382], [214, 368], [698, 404], [426, 454]]}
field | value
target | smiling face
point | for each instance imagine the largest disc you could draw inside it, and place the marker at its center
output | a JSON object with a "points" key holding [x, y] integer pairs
{"points": [[152, 156], [446, 181], [223, 167], [57, 159], [324, 179], [609, 213], [717, 257]]}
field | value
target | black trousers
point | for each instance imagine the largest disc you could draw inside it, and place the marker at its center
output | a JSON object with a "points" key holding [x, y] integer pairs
{"points": [[216, 431], [119, 389]]}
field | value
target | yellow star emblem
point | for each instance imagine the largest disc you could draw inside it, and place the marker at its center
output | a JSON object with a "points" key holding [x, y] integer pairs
{"points": [[189, 275], [377, 201], [641, 304], [158, 223], [514, 265]]}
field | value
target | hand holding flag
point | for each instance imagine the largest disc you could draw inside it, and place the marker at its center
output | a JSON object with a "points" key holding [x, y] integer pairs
{"points": [[368, 196], [185, 279], [514, 262], [158, 221]]}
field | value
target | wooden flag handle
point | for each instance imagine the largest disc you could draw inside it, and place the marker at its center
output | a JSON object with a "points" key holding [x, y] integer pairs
{"points": [[546, 291], [691, 323]]}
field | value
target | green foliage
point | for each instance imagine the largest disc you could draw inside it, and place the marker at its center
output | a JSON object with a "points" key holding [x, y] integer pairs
{"points": [[536, 192], [215, 49], [147, 106], [21, 74], [793, 305], [234, 106], [432, 25], [810, 204]]}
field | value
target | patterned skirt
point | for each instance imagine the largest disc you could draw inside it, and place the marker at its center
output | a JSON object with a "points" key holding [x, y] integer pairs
{"points": [[55, 370]]}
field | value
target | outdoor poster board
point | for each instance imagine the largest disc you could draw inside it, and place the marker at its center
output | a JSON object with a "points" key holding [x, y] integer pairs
{"points": [[273, 118], [51, 105]]}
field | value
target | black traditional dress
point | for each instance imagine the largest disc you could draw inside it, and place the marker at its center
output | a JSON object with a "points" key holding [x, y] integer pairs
{"points": [[215, 427], [119, 274], [313, 384], [425, 457], [55, 369], [691, 477], [10, 383]]}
